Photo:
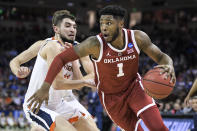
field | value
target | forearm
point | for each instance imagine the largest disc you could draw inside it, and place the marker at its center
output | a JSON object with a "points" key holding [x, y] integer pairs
{"points": [[58, 62], [69, 84], [165, 60], [193, 90], [89, 76]]}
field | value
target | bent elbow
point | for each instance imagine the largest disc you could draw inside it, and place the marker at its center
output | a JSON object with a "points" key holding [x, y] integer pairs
{"points": [[11, 63]]}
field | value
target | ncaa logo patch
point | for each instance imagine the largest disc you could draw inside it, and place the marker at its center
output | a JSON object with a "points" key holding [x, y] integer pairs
{"points": [[130, 45]]}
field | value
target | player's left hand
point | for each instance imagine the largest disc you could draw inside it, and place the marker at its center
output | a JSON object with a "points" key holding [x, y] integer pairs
{"points": [[39, 97], [169, 70]]}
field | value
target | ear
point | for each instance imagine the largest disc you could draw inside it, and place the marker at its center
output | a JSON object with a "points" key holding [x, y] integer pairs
{"points": [[56, 29], [121, 23]]}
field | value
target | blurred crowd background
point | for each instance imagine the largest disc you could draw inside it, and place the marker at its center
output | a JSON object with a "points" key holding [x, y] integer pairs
{"points": [[172, 27]]}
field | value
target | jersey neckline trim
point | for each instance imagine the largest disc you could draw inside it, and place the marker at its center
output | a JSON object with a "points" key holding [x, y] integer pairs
{"points": [[126, 43], [101, 49]]}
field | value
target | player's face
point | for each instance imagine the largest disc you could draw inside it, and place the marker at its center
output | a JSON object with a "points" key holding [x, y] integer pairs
{"points": [[109, 27], [68, 29]]}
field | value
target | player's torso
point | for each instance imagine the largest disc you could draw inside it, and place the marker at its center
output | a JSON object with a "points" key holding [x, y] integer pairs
{"points": [[115, 69], [38, 75]]}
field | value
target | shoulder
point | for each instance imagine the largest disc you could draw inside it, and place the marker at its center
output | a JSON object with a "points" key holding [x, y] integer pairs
{"points": [[140, 35], [142, 39], [93, 39], [52, 44], [90, 46], [40, 41], [91, 42], [51, 47]]}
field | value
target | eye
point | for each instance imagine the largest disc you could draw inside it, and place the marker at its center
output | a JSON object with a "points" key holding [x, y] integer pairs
{"points": [[75, 27], [109, 23]]}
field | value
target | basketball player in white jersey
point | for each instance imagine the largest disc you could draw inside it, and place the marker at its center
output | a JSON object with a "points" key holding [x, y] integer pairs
{"points": [[62, 104]]}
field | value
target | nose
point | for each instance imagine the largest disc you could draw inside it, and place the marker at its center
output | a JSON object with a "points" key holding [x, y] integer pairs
{"points": [[72, 29], [104, 27]]}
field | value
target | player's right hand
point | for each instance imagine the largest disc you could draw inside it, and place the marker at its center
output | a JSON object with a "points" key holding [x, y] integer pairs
{"points": [[41, 95], [169, 70], [23, 72]]}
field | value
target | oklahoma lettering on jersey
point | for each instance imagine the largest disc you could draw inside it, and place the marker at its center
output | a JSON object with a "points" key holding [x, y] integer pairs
{"points": [[116, 69]]}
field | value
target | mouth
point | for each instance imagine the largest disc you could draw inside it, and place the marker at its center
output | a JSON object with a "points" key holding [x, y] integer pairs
{"points": [[71, 35], [105, 36]]}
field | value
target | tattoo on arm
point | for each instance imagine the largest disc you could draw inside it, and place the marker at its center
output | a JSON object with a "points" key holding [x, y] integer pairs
{"points": [[90, 46]]}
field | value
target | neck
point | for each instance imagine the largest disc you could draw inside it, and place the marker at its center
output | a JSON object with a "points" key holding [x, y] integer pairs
{"points": [[119, 42], [57, 37]]}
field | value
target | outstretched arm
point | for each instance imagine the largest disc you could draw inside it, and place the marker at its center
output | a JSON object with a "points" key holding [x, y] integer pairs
{"points": [[88, 47], [25, 56], [60, 83], [48, 52], [164, 61], [192, 91]]}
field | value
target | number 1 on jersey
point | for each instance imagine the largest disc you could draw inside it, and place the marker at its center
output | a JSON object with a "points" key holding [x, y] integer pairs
{"points": [[120, 67]]}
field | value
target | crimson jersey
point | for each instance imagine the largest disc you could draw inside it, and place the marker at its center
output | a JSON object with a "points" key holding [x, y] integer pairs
{"points": [[116, 69]]}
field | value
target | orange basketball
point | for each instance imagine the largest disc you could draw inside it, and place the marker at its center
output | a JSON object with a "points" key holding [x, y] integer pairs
{"points": [[155, 85]]}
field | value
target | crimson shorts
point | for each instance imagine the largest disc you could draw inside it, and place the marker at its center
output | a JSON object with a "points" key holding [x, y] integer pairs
{"points": [[125, 107]]}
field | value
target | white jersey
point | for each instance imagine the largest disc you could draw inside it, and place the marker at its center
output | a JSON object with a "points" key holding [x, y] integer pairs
{"points": [[61, 102], [37, 78], [2, 121]]}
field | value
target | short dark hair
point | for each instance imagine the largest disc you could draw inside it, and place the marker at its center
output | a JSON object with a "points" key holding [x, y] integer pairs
{"points": [[115, 10], [59, 15]]}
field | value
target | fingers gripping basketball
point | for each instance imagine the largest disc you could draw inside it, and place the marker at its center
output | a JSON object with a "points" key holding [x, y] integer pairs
{"points": [[156, 85]]}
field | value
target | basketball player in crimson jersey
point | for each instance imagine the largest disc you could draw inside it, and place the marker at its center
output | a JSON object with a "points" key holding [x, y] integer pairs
{"points": [[115, 54]]}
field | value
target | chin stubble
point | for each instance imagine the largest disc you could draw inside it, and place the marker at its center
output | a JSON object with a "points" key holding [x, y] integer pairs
{"points": [[115, 35], [66, 40]]}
